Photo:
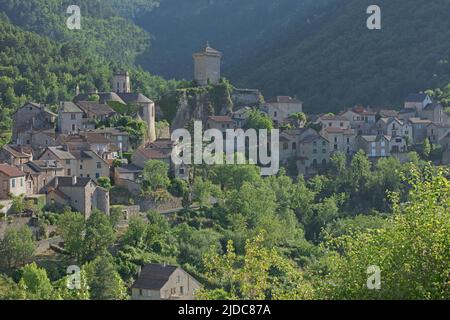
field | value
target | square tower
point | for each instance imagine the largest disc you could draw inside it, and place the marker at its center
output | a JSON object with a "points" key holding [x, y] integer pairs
{"points": [[207, 66], [121, 82]]}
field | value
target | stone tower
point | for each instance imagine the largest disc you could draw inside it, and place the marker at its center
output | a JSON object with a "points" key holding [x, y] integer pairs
{"points": [[121, 82], [207, 66]]}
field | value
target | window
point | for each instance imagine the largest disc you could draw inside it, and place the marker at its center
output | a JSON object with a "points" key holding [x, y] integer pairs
{"points": [[173, 291], [294, 146], [21, 182], [178, 279], [68, 162], [181, 171], [81, 167], [324, 150], [285, 146], [275, 114], [97, 175], [342, 124], [140, 292], [69, 172], [88, 175], [99, 165], [315, 151], [73, 127], [181, 290], [73, 116], [13, 183]]}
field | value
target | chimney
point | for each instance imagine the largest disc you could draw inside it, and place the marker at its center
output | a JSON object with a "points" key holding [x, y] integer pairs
{"points": [[74, 180], [139, 271]]}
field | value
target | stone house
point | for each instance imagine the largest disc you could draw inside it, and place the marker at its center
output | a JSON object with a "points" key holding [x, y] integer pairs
{"points": [[15, 155], [436, 131], [90, 140], [159, 150], [95, 110], [39, 173], [313, 154], [12, 181], [361, 119], [32, 116], [80, 163], [281, 108], [406, 114], [417, 101], [398, 145], [340, 140], [375, 146], [37, 139], [221, 123], [164, 282], [117, 137], [82, 194], [334, 121], [394, 127], [419, 129], [70, 118], [290, 142], [445, 143], [240, 116], [434, 112]]}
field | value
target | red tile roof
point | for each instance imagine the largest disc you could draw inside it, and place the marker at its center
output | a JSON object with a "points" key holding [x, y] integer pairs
{"points": [[11, 171]]}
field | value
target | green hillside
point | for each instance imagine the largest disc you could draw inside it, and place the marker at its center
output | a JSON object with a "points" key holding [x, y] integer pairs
{"points": [[320, 51], [345, 63]]}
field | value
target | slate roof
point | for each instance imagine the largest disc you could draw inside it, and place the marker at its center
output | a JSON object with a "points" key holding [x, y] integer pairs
{"points": [[99, 109], [105, 97], [432, 106], [61, 153], [416, 97], [419, 121], [333, 118], [134, 98], [129, 168], [70, 107], [154, 276], [68, 182], [16, 151], [373, 138], [38, 166], [208, 50], [340, 130]]}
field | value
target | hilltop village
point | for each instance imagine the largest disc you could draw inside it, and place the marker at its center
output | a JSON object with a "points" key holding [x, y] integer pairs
{"points": [[92, 152], [62, 156]]}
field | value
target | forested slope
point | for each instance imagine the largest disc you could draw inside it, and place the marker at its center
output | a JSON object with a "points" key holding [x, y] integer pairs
{"points": [[320, 51]]}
